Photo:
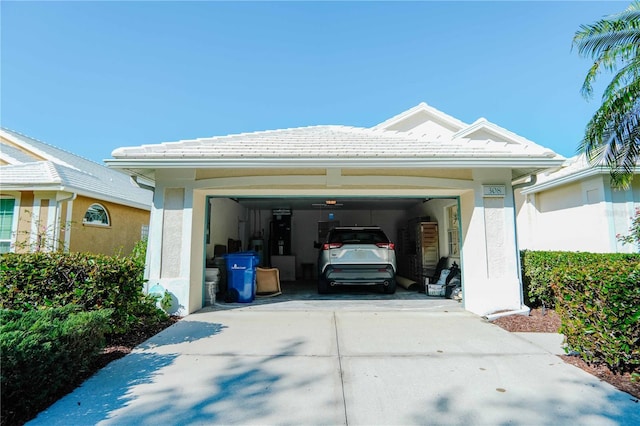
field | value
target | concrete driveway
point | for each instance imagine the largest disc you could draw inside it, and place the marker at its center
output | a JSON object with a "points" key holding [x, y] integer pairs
{"points": [[356, 362]]}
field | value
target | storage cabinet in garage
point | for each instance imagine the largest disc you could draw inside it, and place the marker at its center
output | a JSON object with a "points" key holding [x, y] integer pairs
{"points": [[426, 249], [417, 250]]}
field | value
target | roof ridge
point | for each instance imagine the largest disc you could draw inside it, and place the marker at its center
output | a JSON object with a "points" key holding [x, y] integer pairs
{"points": [[422, 106], [31, 138]]}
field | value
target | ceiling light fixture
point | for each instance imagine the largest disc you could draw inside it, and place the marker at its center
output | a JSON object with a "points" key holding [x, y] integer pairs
{"points": [[326, 205]]}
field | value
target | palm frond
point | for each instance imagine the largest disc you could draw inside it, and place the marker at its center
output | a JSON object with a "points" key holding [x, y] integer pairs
{"points": [[612, 136], [618, 146], [609, 114], [625, 42], [625, 76]]}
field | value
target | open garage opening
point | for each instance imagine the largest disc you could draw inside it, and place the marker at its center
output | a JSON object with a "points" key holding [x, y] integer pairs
{"points": [[287, 234]]}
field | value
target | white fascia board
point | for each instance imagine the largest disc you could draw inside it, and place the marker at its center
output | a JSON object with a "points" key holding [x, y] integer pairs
{"points": [[115, 200], [31, 187], [564, 180], [84, 193], [377, 162], [584, 173]]}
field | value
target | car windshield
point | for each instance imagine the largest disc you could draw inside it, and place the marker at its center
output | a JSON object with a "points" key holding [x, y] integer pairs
{"points": [[350, 236]]}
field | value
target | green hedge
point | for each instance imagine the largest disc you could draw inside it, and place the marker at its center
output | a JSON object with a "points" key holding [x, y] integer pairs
{"points": [[35, 280], [597, 297], [599, 304], [44, 352], [539, 271]]}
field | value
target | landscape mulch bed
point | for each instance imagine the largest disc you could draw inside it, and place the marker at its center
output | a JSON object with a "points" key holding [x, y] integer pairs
{"points": [[548, 321]]}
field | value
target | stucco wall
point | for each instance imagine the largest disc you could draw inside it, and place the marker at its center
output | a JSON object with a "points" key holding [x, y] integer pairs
{"points": [[120, 237], [580, 216], [24, 221], [226, 216]]}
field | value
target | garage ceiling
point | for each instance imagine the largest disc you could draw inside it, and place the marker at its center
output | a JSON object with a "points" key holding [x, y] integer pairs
{"points": [[360, 203]]}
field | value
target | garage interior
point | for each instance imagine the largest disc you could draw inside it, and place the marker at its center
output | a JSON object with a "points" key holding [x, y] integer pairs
{"points": [[283, 232]]}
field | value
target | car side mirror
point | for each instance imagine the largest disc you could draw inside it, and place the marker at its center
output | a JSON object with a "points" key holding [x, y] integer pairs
{"points": [[316, 245]]}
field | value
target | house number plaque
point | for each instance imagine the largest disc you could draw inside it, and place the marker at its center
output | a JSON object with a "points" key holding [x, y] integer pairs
{"points": [[493, 190]]}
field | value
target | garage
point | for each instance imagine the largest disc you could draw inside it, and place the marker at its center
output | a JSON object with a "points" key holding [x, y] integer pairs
{"points": [[286, 232], [420, 166]]}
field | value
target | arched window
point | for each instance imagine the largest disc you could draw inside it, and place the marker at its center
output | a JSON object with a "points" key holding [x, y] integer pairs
{"points": [[96, 215]]}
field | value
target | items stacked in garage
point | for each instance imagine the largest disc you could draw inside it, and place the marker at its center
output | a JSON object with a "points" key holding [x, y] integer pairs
{"points": [[417, 250]]}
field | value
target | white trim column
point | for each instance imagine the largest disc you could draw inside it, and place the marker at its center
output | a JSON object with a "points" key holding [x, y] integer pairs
{"points": [[490, 270], [170, 230]]}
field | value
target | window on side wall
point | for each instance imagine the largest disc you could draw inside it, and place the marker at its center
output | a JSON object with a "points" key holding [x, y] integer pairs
{"points": [[453, 236], [6, 223], [96, 215]]}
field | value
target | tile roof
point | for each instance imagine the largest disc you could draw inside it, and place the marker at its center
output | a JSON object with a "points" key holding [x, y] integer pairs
{"points": [[574, 168], [37, 164], [326, 142]]}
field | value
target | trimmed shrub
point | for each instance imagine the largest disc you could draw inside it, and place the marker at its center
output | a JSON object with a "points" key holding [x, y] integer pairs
{"points": [[599, 305], [540, 270], [44, 352], [36, 280], [597, 297]]}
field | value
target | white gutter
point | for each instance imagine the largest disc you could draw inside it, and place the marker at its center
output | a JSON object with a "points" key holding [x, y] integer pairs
{"points": [[84, 193], [571, 177], [135, 179], [565, 179]]}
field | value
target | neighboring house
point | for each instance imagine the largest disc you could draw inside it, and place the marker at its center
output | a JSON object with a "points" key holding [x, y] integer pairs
{"points": [[51, 199], [574, 208], [419, 163]]}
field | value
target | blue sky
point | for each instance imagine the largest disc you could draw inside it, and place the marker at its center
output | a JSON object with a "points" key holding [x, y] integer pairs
{"points": [[90, 77]]}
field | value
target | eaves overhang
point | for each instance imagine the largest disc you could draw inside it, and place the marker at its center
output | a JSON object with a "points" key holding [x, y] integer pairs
{"points": [[82, 192], [570, 178], [573, 177]]}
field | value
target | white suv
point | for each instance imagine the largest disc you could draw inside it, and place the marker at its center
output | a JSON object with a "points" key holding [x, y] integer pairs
{"points": [[357, 255]]}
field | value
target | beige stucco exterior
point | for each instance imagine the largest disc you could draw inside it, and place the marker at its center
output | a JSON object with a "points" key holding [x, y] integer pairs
{"points": [[119, 237], [53, 221]]}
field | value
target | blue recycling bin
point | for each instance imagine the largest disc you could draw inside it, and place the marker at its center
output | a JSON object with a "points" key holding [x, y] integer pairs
{"points": [[241, 274]]}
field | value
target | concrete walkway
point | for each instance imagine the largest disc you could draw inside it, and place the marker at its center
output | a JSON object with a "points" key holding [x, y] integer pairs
{"points": [[356, 362]]}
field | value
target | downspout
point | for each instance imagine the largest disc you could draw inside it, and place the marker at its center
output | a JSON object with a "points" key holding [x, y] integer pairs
{"points": [[524, 310], [67, 230]]}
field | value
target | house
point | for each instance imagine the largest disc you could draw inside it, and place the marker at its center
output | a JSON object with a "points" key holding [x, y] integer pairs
{"points": [[276, 190], [51, 199], [574, 208]]}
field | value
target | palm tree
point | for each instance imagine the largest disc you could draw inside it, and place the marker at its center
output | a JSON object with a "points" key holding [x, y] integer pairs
{"points": [[612, 136]]}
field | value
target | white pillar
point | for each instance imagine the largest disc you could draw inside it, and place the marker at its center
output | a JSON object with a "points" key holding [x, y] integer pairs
{"points": [[490, 270]]}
